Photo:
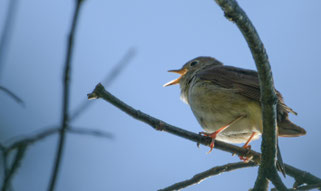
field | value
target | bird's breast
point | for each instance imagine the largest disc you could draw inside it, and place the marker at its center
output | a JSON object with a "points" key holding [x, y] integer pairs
{"points": [[215, 107]]}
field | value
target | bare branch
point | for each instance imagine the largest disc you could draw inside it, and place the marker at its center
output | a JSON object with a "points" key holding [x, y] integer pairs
{"points": [[12, 95], [113, 74], [267, 168], [7, 31], [307, 187], [31, 139], [14, 167], [301, 176], [22, 145], [119, 67], [65, 104], [100, 92], [157, 124], [198, 178], [4, 162], [50, 131], [91, 132]]}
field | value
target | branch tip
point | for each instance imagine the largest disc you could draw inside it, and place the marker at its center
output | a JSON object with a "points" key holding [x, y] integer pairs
{"points": [[99, 87], [158, 124], [92, 96], [96, 93]]}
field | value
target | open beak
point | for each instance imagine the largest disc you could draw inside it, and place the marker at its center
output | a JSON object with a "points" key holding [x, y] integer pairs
{"points": [[176, 81]]}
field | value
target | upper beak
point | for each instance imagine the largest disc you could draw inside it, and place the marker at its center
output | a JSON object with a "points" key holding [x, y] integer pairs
{"points": [[176, 81]]}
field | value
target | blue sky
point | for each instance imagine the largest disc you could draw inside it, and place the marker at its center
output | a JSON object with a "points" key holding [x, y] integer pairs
{"points": [[165, 34]]}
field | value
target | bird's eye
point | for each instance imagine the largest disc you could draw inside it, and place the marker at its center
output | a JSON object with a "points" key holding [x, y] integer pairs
{"points": [[194, 63]]}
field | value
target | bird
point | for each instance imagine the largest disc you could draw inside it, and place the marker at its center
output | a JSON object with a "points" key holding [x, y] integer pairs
{"points": [[226, 102]]}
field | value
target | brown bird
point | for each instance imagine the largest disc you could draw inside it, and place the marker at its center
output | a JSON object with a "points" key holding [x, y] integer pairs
{"points": [[226, 102]]}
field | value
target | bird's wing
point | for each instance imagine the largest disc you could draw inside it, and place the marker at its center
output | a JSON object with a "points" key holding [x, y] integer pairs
{"points": [[245, 82]]}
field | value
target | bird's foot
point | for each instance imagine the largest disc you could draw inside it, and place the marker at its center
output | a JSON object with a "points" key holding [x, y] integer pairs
{"points": [[213, 136], [246, 158]]}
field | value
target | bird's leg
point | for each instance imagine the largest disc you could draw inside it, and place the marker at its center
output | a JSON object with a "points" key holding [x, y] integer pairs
{"points": [[248, 147], [213, 135]]}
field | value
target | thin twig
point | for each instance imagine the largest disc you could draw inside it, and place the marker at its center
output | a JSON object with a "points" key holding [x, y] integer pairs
{"points": [[91, 132], [22, 144], [267, 169], [65, 105], [52, 130], [157, 124], [7, 31], [196, 179], [4, 162], [12, 95], [301, 176], [112, 75], [14, 167], [307, 187], [301, 188], [100, 92]]}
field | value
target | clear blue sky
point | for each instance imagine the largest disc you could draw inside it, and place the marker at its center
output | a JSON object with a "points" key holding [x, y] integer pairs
{"points": [[165, 35]]}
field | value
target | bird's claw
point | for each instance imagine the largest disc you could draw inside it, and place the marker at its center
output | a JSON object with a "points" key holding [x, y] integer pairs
{"points": [[213, 136], [247, 157]]}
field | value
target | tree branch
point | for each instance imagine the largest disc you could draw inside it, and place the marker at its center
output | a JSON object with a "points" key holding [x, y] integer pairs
{"points": [[113, 74], [5, 165], [22, 145], [307, 187], [12, 95], [267, 169], [7, 31], [50, 131], [65, 105], [196, 179], [100, 92], [301, 176], [157, 124], [301, 188], [14, 167]]}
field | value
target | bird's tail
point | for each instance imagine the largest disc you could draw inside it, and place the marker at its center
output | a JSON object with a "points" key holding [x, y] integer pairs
{"points": [[288, 129]]}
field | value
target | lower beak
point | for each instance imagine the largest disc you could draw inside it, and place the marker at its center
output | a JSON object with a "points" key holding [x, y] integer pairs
{"points": [[176, 81]]}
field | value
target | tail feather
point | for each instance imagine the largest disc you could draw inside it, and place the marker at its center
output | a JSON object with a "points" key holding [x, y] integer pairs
{"points": [[288, 129]]}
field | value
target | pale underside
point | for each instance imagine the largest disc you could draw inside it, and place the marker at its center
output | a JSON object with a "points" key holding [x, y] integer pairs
{"points": [[215, 107]]}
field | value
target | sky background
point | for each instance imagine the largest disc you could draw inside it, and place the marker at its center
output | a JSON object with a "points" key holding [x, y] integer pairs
{"points": [[164, 34]]}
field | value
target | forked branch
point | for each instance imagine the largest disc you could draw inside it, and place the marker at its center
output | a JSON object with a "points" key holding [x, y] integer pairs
{"points": [[100, 92], [267, 169], [208, 173]]}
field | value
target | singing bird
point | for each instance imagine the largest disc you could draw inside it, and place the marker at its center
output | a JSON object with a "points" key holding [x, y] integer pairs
{"points": [[226, 102]]}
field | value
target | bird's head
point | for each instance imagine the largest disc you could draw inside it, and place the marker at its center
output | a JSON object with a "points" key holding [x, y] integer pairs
{"points": [[191, 67]]}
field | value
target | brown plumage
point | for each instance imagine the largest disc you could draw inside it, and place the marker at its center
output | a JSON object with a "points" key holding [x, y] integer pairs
{"points": [[246, 83], [226, 102], [218, 94]]}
